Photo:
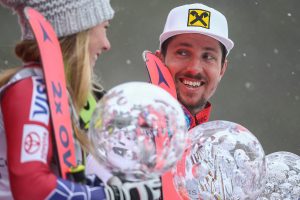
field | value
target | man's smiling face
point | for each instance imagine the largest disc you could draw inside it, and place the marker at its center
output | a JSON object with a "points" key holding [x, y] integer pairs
{"points": [[195, 63]]}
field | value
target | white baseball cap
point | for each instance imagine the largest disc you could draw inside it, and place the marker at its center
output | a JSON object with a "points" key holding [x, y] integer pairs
{"points": [[197, 18]]}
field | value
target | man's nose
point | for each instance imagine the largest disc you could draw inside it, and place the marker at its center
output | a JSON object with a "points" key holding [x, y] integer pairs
{"points": [[195, 65]]}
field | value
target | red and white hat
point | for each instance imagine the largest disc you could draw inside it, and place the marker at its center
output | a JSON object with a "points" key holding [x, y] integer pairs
{"points": [[197, 18]]}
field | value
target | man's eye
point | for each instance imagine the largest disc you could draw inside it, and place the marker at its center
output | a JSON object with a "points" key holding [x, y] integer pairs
{"points": [[207, 56], [182, 52]]}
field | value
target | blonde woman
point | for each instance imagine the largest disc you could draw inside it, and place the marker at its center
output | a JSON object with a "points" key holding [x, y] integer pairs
{"points": [[27, 146]]}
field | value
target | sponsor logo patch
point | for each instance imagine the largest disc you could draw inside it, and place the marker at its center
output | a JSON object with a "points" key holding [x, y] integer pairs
{"points": [[39, 110], [199, 18], [34, 143]]}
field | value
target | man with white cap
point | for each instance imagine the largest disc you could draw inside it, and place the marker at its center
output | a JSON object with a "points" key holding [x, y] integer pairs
{"points": [[194, 46], [29, 152]]}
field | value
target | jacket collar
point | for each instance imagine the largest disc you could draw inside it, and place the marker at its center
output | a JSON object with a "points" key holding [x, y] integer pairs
{"points": [[201, 117]]}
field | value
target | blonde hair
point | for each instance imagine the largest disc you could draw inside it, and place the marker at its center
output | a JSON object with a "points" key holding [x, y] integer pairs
{"points": [[77, 67], [78, 71]]}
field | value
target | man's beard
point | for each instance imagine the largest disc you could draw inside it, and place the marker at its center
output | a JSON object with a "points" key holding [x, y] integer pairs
{"points": [[195, 107]]}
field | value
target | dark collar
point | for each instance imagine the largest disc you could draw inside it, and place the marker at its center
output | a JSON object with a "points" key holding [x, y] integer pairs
{"points": [[201, 117]]}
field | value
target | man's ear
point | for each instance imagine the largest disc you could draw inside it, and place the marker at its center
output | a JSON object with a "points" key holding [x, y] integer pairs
{"points": [[159, 55], [223, 69]]}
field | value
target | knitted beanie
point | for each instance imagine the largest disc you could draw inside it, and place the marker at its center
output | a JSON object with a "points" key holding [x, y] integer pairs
{"points": [[66, 16]]}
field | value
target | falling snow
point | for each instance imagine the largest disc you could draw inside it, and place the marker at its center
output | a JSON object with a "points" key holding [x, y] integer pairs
{"points": [[128, 62], [276, 51], [248, 85]]}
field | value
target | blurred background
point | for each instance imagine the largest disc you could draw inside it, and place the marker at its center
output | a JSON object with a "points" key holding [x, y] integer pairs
{"points": [[261, 88]]}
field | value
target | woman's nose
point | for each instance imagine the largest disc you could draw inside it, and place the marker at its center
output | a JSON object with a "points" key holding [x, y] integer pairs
{"points": [[106, 45]]}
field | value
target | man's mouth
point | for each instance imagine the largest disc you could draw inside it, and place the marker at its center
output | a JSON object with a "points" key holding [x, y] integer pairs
{"points": [[192, 83]]}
